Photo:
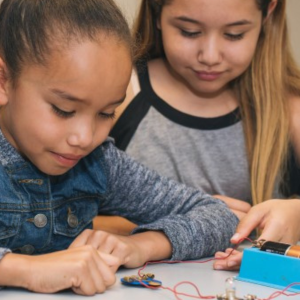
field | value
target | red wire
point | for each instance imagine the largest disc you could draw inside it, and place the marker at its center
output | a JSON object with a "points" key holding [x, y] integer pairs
{"points": [[192, 261], [283, 292], [200, 296]]}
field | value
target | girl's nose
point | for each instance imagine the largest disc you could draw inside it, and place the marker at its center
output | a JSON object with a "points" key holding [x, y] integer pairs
{"points": [[210, 52], [81, 135]]}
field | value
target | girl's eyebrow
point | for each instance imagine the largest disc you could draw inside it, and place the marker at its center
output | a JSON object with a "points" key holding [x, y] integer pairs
{"points": [[193, 21], [67, 96], [239, 23], [188, 20]]}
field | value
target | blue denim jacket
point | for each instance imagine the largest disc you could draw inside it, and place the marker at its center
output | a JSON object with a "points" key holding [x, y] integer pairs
{"points": [[41, 213]]}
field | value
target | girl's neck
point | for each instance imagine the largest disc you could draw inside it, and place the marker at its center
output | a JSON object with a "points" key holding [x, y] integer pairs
{"points": [[168, 86]]}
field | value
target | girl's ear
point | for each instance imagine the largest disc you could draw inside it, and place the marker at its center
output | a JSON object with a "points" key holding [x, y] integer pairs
{"points": [[271, 7], [4, 83]]}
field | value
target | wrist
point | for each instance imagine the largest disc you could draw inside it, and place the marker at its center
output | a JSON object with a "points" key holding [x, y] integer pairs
{"points": [[154, 245], [14, 270]]}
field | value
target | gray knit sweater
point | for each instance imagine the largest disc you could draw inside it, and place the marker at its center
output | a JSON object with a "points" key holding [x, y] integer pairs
{"points": [[108, 182]]}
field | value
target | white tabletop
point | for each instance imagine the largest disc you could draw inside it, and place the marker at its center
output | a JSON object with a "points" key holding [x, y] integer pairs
{"points": [[208, 281]]}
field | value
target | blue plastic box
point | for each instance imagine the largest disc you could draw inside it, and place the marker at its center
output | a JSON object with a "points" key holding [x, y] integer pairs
{"points": [[269, 269]]}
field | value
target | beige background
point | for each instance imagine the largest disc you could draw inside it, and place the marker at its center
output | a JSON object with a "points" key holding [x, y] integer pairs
{"points": [[130, 7], [293, 11]]}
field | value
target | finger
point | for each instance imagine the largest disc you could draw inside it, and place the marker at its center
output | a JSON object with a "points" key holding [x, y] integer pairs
{"points": [[101, 273], [228, 252], [99, 238], [115, 246], [227, 266], [220, 255], [109, 259], [109, 243], [89, 280], [107, 274], [230, 263], [112, 261], [253, 219], [231, 251], [272, 232], [122, 251], [235, 204], [81, 239]]}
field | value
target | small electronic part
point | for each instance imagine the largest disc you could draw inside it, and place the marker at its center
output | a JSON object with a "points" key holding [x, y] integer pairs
{"points": [[141, 281], [278, 248], [230, 292]]}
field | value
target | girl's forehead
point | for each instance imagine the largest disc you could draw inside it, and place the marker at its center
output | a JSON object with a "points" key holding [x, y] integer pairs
{"points": [[61, 48], [84, 68], [196, 7], [212, 13]]}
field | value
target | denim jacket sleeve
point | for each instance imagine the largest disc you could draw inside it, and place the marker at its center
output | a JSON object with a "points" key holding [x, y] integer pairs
{"points": [[196, 224]]}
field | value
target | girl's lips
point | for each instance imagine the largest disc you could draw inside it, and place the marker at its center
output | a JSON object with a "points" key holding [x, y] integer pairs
{"points": [[208, 76], [67, 160]]}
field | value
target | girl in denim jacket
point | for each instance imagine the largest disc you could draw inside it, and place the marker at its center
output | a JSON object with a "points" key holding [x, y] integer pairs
{"points": [[64, 69]]}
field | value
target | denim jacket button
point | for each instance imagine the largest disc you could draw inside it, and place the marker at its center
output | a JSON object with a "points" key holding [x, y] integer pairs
{"points": [[72, 220], [27, 249], [40, 220]]}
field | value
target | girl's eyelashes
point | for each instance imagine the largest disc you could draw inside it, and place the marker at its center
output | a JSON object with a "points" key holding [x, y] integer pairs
{"points": [[189, 34], [107, 115], [67, 114], [193, 34], [234, 37], [62, 113]]}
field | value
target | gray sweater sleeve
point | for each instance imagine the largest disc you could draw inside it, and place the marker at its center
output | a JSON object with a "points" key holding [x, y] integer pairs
{"points": [[196, 224]]}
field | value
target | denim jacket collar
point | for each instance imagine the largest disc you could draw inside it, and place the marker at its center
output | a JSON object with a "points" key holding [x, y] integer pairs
{"points": [[8, 154]]}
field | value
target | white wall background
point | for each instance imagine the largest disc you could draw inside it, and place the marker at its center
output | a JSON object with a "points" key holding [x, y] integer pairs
{"points": [[293, 11], [129, 7]]}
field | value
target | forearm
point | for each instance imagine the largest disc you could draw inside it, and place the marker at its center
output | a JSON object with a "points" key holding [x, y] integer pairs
{"points": [[14, 270], [154, 245], [198, 233], [196, 224]]}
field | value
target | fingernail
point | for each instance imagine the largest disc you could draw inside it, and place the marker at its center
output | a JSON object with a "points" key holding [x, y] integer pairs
{"points": [[236, 236], [218, 267], [231, 264]]}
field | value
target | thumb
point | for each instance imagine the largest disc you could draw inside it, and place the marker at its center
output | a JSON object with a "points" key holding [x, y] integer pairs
{"points": [[247, 225], [112, 261]]}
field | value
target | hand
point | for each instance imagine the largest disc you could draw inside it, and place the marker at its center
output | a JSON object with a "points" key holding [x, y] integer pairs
{"points": [[83, 269], [124, 248], [238, 207], [278, 220], [229, 260], [132, 251], [105, 243]]}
